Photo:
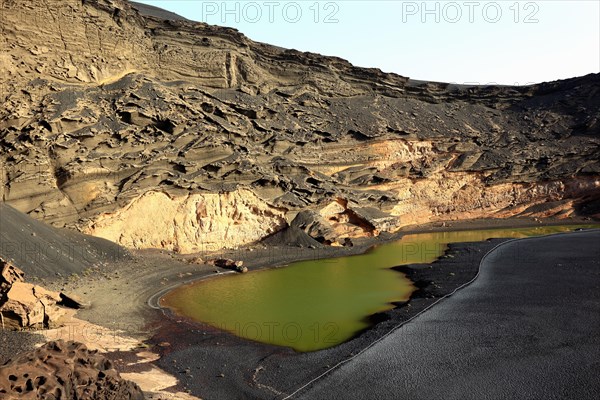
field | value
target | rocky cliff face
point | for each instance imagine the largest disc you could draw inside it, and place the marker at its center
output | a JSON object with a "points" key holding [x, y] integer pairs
{"points": [[190, 224], [108, 116]]}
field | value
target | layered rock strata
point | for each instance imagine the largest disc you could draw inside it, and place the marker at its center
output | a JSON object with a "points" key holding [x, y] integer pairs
{"points": [[106, 113]]}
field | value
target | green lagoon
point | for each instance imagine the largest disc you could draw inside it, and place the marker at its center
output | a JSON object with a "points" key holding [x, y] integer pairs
{"points": [[316, 304]]}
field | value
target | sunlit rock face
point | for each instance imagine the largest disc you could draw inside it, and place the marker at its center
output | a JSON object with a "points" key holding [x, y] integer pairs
{"points": [[194, 223], [27, 306], [105, 112]]}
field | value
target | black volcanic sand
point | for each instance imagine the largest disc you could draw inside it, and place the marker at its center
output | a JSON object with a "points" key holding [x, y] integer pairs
{"points": [[47, 253], [256, 370], [215, 364], [13, 342], [526, 328]]}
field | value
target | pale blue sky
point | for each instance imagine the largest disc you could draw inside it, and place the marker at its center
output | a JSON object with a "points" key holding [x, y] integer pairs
{"points": [[506, 42]]}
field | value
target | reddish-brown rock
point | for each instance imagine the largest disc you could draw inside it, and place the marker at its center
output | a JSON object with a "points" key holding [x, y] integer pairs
{"points": [[24, 305]]}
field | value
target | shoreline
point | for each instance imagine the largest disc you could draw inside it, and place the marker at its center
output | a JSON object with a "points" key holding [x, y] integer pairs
{"points": [[487, 326], [266, 371], [361, 246], [465, 253], [221, 365]]}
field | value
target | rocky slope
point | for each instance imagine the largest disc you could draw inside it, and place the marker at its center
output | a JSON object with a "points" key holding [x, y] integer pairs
{"points": [[180, 135]]}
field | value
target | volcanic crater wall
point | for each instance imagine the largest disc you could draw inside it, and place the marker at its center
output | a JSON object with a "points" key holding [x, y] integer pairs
{"points": [[181, 135]]}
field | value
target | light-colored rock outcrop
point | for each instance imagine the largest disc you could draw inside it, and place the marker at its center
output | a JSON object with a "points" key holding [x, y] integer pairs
{"points": [[193, 223]]}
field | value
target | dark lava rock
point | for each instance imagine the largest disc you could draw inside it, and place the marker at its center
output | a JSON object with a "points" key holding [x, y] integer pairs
{"points": [[64, 371]]}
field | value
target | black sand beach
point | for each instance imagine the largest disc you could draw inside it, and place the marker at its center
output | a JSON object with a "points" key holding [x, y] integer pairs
{"points": [[526, 328], [256, 370], [213, 364], [227, 366]]}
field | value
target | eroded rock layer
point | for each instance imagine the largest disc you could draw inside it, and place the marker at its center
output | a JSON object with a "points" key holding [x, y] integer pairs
{"points": [[180, 135]]}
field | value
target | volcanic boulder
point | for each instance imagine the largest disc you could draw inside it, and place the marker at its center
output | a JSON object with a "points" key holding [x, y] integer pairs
{"points": [[24, 305], [64, 371]]}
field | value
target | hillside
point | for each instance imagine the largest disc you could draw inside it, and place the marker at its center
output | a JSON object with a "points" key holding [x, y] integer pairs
{"points": [[184, 136], [42, 251]]}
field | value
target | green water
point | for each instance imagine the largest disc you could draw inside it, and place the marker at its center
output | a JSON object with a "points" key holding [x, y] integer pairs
{"points": [[316, 304]]}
